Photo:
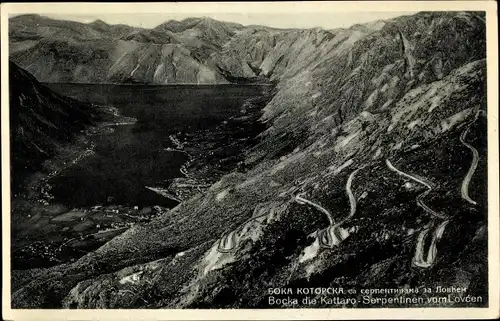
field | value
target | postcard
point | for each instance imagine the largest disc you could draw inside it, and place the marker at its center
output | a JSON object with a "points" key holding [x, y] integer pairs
{"points": [[250, 160]]}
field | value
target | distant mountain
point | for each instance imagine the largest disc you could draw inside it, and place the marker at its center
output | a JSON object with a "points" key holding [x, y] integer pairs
{"points": [[205, 29], [194, 50], [41, 122], [32, 26], [371, 172], [66, 51]]}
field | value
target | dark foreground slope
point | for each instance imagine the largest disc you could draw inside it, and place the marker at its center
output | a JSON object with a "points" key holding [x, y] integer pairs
{"points": [[41, 122], [378, 140]]}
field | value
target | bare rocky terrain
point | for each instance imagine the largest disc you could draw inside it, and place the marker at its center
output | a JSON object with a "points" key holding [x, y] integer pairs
{"points": [[401, 103]]}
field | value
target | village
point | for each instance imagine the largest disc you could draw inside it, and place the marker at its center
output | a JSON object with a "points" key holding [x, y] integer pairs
{"points": [[81, 230]]}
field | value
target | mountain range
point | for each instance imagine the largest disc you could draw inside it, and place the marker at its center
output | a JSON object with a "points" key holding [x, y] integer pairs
{"points": [[371, 172]]}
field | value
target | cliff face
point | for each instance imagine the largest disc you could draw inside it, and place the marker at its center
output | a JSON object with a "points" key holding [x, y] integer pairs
{"points": [[371, 174]]}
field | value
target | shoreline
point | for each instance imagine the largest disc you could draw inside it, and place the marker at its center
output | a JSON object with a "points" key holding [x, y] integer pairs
{"points": [[32, 205], [71, 154], [206, 162]]}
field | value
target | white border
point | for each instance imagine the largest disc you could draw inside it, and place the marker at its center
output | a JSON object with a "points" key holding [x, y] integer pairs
{"points": [[269, 8]]}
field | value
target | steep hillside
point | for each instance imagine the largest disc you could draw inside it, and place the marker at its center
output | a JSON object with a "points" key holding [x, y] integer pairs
{"points": [[40, 122], [370, 175], [369, 72]]}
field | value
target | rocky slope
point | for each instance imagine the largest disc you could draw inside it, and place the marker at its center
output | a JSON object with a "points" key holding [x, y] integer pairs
{"points": [[370, 175]]}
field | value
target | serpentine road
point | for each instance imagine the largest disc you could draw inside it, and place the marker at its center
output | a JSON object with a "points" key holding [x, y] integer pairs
{"points": [[419, 199], [328, 237], [419, 259], [425, 262], [229, 242], [332, 235], [299, 199], [473, 166], [352, 199]]}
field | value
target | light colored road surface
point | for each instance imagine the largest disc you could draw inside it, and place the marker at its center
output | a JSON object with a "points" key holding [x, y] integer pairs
{"points": [[420, 260], [229, 242], [332, 235], [299, 199], [326, 237], [352, 199], [473, 166], [419, 200]]}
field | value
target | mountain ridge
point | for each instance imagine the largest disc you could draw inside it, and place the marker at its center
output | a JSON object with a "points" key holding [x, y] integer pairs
{"points": [[198, 42]]}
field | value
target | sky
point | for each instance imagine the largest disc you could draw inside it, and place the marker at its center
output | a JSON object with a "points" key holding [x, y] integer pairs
{"points": [[326, 20]]}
